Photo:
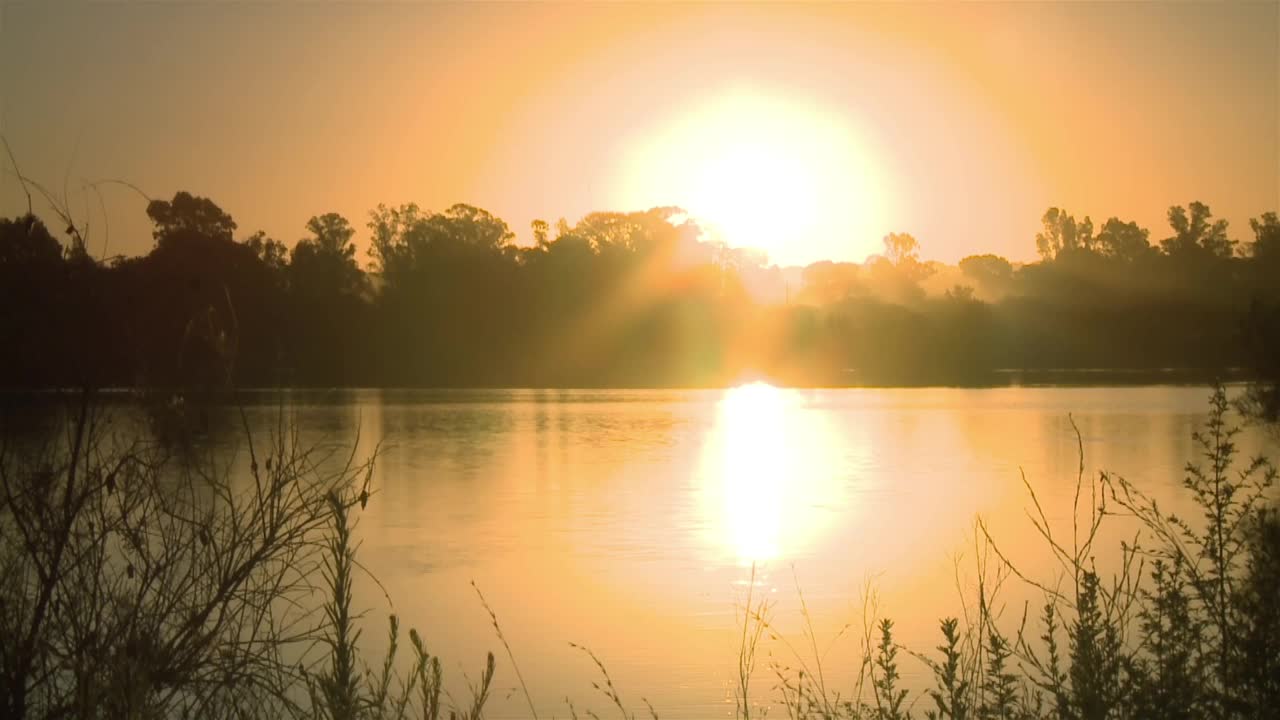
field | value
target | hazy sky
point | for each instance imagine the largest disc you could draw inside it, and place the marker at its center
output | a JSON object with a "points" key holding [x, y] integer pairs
{"points": [[957, 123]]}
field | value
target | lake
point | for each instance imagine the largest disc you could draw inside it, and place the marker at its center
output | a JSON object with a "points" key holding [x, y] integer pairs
{"points": [[631, 522]]}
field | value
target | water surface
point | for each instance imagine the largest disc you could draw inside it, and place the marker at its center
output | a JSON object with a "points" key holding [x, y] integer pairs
{"points": [[630, 521]]}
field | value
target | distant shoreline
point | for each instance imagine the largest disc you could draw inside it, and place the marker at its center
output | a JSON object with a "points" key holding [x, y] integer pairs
{"points": [[1001, 378]]}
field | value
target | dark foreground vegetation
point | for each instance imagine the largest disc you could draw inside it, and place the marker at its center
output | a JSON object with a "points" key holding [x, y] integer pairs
{"points": [[140, 583], [617, 299], [1187, 627]]}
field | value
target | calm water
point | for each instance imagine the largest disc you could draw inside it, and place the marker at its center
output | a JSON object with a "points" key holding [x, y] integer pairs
{"points": [[629, 521]]}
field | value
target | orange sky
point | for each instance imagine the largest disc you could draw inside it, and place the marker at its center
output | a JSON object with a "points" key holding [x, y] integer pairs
{"points": [[963, 122]]}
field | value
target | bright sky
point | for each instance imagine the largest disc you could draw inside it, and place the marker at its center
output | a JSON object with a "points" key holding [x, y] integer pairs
{"points": [[809, 130]]}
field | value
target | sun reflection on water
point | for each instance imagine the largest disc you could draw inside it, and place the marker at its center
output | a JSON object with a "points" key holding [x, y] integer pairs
{"points": [[770, 474]]}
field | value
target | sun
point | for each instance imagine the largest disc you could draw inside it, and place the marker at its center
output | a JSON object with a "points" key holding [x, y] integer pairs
{"points": [[765, 171], [753, 190]]}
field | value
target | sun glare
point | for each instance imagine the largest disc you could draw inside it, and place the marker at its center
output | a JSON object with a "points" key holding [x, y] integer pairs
{"points": [[769, 477], [771, 173]]}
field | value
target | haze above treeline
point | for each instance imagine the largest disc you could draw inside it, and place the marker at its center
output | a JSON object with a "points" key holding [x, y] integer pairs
{"points": [[616, 299], [965, 121]]}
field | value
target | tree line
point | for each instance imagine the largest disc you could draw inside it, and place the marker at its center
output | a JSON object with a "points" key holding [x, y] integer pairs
{"points": [[449, 298]]}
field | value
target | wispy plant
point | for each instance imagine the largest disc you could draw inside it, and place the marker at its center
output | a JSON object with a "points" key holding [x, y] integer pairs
{"points": [[754, 622], [607, 688], [951, 694], [497, 628], [889, 698]]}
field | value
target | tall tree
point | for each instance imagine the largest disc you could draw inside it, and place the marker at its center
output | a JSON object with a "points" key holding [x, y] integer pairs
{"points": [[540, 231], [35, 331], [468, 226], [991, 273], [389, 226], [189, 215], [1261, 399], [1061, 233], [324, 263], [1196, 231], [327, 303], [271, 252], [208, 310], [901, 248], [827, 282], [1123, 240], [903, 251], [26, 242], [1266, 237], [405, 238]]}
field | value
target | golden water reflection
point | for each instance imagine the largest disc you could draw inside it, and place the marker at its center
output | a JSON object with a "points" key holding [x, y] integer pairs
{"points": [[627, 521], [767, 473]]}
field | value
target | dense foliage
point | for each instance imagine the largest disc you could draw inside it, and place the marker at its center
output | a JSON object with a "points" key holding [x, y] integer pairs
{"points": [[633, 299]]}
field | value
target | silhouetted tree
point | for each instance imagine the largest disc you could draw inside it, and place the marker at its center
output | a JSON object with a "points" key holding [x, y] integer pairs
{"points": [[901, 248], [540, 230], [616, 298], [327, 306], [33, 288], [992, 273], [1196, 231], [896, 275], [271, 252], [1062, 233], [448, 282], [405, 239], [189, 215], [324, 263], [1262, 341], [829, 282], [388, 245], [1123, 241], [1266, 238], [26, 243], [205, 309]]}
